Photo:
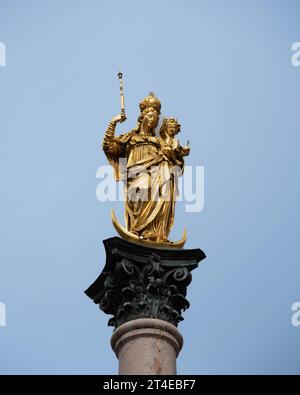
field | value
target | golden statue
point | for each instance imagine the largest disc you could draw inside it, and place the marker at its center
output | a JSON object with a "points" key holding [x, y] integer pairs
{"points": [[153, 164]]}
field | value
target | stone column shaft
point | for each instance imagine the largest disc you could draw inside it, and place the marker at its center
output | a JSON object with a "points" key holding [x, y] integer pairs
{"points": [[147, 346]]}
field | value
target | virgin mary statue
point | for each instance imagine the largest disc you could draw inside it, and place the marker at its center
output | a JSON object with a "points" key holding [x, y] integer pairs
{"points": [[149, 177]]}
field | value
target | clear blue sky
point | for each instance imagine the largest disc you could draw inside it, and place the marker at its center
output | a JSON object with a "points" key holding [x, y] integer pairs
{"points": [[223, 68]]}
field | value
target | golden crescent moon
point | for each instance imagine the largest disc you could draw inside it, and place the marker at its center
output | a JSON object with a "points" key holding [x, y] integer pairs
{"points": [[126, 235]]}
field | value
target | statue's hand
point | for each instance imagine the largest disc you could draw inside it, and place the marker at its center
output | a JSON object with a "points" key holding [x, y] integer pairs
{"points": [[119, 118], [185, 150]]}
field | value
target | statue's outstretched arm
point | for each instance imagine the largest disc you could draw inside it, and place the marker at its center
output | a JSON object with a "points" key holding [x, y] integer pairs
{"points": [[111, 144]]}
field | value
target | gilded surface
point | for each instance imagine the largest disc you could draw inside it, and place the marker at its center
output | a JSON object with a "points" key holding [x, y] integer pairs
{"points": [[153, 164]]}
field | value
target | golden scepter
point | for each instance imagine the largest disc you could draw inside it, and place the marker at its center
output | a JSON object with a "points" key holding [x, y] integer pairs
{"points": [[120, 75]]}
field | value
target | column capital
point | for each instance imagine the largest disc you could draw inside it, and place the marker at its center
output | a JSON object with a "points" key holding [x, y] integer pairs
{"points": [[140, 282]]}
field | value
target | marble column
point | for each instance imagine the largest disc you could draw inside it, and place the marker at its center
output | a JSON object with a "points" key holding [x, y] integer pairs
{"points": [[144, 289], [147, 346]]}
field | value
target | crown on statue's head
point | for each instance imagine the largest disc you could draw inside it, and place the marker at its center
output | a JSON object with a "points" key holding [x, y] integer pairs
{"points": [[173, 121], [151, 101], [166, 122]]}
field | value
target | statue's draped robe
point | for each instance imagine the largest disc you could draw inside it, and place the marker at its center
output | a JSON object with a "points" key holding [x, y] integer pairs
{"points": [[150, 184]]}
